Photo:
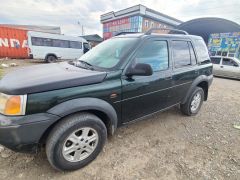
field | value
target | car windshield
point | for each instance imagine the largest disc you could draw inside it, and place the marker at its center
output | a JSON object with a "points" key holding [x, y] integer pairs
{"points": [[109, 53]]}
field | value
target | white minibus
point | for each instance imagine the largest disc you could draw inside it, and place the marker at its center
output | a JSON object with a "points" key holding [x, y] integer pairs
{"points": [[52, 47]]}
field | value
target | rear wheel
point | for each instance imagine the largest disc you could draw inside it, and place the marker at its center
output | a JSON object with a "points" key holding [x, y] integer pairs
{"points": [[75, 141], [51, 59], [194, 103]]}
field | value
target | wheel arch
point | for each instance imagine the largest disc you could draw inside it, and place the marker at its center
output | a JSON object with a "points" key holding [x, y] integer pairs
{"points": [[100, 108], [201, 81], [50, 54], [204, 86]]}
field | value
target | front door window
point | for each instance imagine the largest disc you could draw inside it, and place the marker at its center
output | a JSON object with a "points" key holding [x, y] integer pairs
{"points": [[229, 62], [155, 54]]}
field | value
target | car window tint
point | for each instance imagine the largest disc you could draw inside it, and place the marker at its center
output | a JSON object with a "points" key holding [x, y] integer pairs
{"points": [[47, 42], [37, 41], [229, 62], [60, 43], [154, 53], [216, 60], [181, 54], [75, 45], [192, 54], [86, 45], [202, 51]]}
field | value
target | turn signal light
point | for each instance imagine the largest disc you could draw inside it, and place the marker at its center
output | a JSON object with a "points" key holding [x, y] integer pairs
{"points": [[13, 106]]}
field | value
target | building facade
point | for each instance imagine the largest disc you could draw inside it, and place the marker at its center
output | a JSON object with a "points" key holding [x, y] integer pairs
{"points": [[138, 18]]}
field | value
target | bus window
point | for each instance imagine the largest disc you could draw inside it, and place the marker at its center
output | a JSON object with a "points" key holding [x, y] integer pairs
{"points": [[75, 45]]}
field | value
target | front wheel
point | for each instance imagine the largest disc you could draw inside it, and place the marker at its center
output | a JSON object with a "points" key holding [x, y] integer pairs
{"points": [[75, 141], [194, 103]]}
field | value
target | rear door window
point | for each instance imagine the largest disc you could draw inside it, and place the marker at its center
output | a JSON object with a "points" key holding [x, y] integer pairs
{"points": [[229, 62], [216, 60], [181, 54]]}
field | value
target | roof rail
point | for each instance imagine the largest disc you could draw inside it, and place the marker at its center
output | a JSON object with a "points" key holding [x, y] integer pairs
{"points": [[123, 33], [171, 30]]}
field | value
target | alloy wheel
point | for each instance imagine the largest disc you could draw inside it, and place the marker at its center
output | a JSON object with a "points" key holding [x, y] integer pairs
{"points": [[80, 144], [196, 101]]}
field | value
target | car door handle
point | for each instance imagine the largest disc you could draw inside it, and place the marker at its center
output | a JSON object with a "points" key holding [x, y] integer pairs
{"points": [[221, 66]]}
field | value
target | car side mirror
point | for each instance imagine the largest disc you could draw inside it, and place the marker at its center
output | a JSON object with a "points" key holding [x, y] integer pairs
{"points": [[139, 69]]}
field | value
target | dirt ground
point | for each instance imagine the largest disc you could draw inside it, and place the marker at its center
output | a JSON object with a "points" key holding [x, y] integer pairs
{"points": [[168, 145]]}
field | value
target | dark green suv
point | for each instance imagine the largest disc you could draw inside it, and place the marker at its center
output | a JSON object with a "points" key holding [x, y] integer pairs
{"points": [[71, 107]]}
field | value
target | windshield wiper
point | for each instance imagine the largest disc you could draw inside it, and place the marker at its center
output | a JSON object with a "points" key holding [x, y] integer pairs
{"points": [[82, 64], [86, 63]]}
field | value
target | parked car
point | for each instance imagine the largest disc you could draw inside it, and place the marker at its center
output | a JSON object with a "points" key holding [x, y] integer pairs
{"points": [[226, 67], [51, 47], [71, 107]]}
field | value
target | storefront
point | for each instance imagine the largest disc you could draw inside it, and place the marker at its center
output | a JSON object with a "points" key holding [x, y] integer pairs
{"points": [[135, 19], [225, 44]]}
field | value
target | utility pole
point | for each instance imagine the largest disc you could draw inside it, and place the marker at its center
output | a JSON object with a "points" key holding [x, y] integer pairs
{"points": [[82, 29]]}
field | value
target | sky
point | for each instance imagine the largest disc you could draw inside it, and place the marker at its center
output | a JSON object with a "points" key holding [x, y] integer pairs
{"points": [[67, 13]]}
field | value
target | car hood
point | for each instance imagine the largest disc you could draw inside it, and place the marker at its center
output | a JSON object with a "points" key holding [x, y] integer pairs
{"points": [[48, 77]]}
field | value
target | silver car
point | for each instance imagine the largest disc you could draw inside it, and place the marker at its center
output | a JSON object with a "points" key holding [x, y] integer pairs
{"points": [[226, 67]]}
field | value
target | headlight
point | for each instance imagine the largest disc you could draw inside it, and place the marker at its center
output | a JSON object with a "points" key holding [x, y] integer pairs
{"points": [[12, 105]]}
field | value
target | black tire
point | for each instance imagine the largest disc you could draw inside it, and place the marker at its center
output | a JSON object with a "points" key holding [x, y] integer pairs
{"points": [[57, 137], [186, 108], [51, 59]]}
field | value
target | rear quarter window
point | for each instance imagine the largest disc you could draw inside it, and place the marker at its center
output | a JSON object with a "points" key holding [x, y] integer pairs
{"points": [[202, 51]]}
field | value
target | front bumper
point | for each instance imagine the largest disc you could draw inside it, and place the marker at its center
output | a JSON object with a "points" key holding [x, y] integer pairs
{"points": [[23, 133]]}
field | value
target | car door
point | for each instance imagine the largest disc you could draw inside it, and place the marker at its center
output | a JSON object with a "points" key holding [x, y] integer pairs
{"points": [[216, 61], [185, 69], [230, 68], [86, 47], [143, 95]]}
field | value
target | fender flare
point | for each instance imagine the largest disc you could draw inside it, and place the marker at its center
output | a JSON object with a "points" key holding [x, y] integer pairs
{"points": [[86, 104], [198, 80]]}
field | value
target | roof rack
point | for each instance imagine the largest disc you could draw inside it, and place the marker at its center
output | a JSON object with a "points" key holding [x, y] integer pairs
{"points": [[171, 30]]}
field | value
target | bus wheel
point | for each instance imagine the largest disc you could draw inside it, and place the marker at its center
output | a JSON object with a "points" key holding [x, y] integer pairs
{"points": [[51, 59]]}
